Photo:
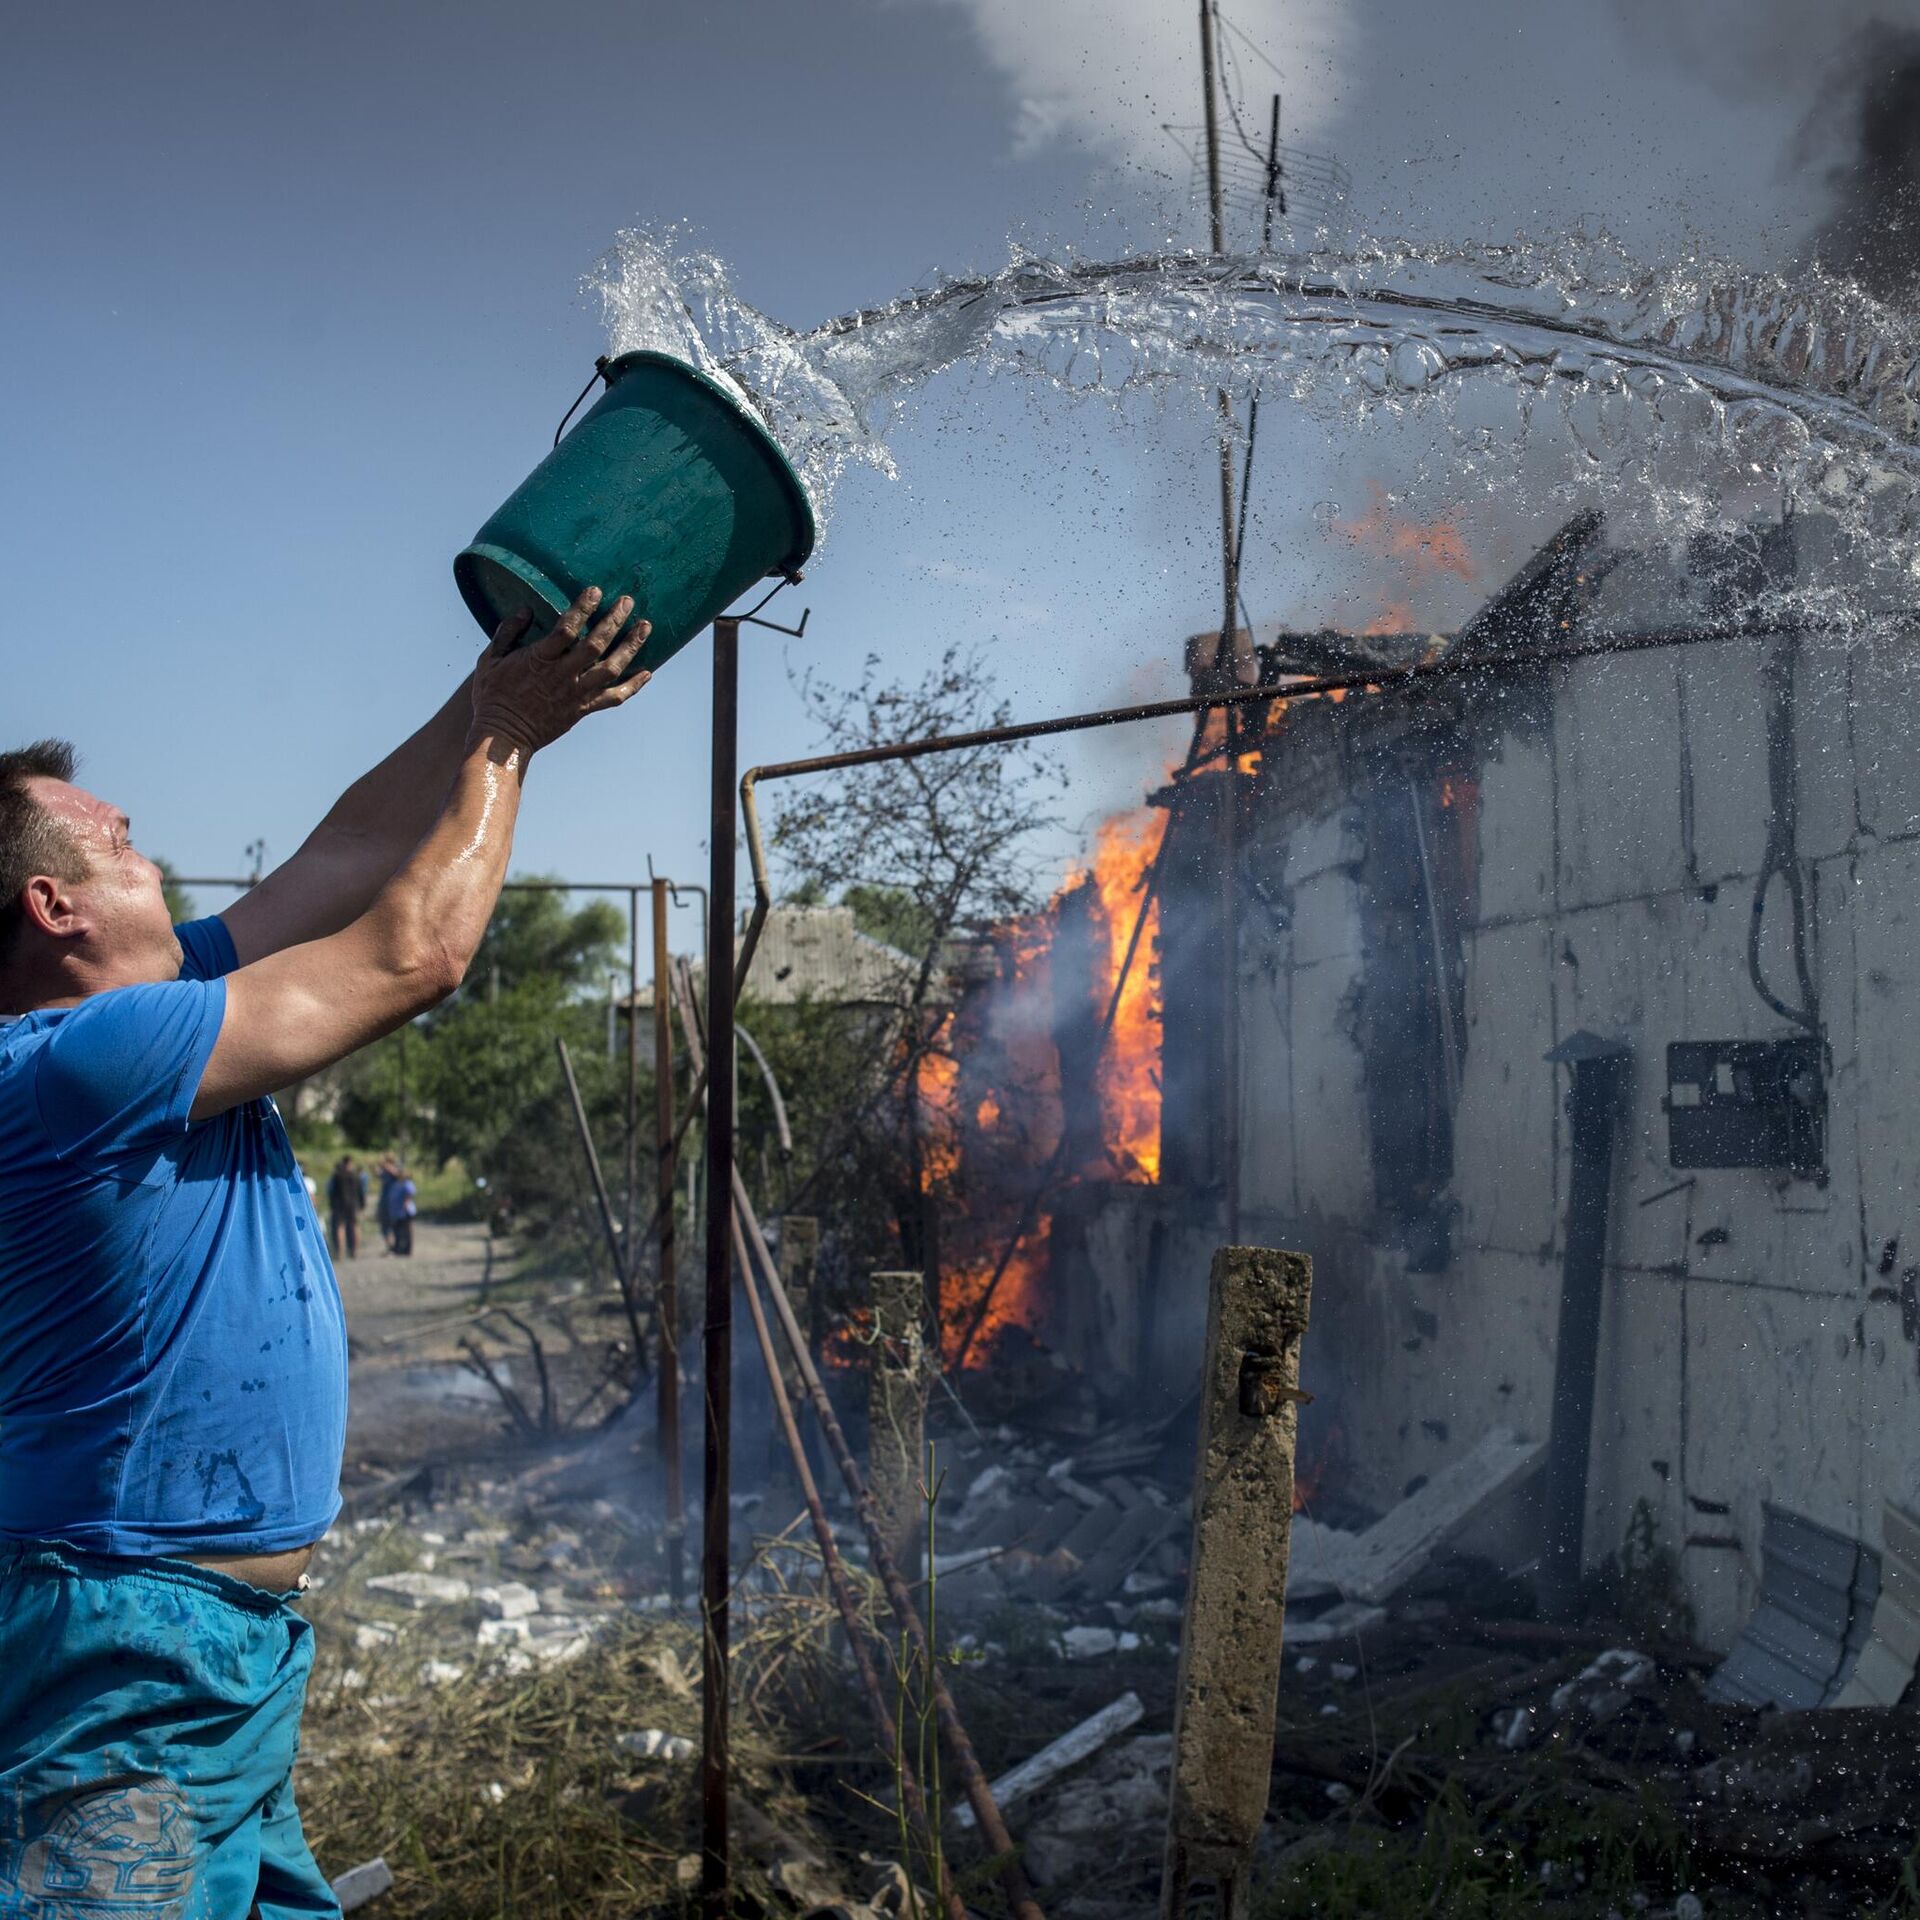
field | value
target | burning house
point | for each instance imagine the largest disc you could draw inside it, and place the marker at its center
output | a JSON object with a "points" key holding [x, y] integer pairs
{"points": [[1700, 854]]}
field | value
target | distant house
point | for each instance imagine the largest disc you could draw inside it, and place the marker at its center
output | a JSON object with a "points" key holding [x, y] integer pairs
{"points": [[817, 956]]}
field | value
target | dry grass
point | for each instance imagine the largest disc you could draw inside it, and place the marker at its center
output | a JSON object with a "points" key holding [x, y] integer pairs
{"points": [[503, 1793]]}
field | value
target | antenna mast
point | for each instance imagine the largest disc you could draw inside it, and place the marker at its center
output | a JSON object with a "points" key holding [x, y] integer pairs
{"points": [[1225, 667]]}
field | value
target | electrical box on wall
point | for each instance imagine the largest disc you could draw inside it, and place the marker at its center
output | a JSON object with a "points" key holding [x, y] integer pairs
{"points": [[1747, 1103]]}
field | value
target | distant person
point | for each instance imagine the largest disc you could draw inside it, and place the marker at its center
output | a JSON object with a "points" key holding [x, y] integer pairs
{"points": [[346, 1195], [173, 1354], [405, 1206], [383, 1207]]}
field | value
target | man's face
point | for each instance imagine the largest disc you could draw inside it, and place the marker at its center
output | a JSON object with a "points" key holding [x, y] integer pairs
{"points": [[120, 907]]}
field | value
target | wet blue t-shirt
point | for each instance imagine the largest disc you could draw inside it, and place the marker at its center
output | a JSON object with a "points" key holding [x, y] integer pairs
{"points": [[173, 1355]]}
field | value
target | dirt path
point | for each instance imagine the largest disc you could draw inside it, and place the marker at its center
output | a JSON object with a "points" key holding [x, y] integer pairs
{"points": [[410, 1396]]}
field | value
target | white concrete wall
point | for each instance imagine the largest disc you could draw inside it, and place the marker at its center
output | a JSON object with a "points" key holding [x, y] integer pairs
{"points": [[1770, 1365]]}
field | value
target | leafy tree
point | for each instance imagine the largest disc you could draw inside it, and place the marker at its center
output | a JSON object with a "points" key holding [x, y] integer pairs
{"points": [[478, 1080], [924, 851]]}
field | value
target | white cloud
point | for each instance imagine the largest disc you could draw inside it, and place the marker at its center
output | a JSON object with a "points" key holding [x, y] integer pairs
{"points": [[1108, 73]]}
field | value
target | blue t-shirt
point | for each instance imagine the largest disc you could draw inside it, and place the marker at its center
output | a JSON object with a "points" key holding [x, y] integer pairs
{"points": [[173, 1354]]}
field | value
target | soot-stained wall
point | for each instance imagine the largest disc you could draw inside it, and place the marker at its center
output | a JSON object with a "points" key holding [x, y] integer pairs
{"points": [[1604, 824]]}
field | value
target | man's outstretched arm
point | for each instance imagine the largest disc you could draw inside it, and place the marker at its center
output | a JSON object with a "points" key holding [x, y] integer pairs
{"points": [[356, 849], [295, 1010]]}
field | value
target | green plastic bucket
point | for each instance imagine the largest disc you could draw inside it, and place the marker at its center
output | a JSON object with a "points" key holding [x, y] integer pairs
{"points": [[668, 489]]}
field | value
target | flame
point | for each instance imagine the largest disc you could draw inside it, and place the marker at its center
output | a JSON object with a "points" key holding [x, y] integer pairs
{"points": [[1417, 550], [935, 1078], [1395, 617], [1129, 1072], [1017, 1301]]}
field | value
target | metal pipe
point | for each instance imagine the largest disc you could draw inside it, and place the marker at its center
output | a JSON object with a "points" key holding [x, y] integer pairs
{"points": [[633, 1065], [717, 1335], [1226, 667], [773, 1089], [986, 1813], [822, 1528], [1372, 679], [666, 1283], [622, 1278]]}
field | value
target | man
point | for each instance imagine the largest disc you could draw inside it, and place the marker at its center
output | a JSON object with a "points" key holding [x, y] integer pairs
{"points": [[346, 1194], [405, 1206], [389, 1179], [172, 1350]]}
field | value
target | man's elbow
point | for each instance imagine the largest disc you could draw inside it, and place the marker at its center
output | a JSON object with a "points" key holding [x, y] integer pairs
{"points": [[440, 970], [426, 967]]}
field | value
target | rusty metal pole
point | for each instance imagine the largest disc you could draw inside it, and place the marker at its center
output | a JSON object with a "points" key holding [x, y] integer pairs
{"points": [[633, 1072], [717, 1336], [616, 1252], [1230, 1636], [667, 1287], [831, 1563], [973, 1779], [799, 1255]]}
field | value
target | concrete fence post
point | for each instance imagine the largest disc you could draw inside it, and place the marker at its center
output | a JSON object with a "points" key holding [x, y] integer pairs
{"points": [[897, 1383], [1230, 1641]]}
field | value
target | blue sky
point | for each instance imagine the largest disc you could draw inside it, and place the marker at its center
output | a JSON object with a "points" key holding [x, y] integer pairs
{"points": [[292, 302]]}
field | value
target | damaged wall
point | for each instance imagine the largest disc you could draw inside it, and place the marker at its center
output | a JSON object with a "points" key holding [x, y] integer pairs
{"points": [[1616, 810]]}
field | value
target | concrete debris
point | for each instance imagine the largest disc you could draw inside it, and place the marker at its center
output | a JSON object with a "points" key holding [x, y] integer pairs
{"points": [[510, 1601], [1345, 1622], [369, 1636], [1375, 1565], [666, 1666], [1092, 1643], [503, 1633], [652, 1744], [441, 1673], [361, 1884], [1114, 1811], [422, 1589], [1603, 1688], [1081, 1743], [985, 1483], [1515, 1728]]}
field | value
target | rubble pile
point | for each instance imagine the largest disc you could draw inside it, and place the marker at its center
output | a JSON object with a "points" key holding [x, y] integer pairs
{"points": [[506, 1698]]}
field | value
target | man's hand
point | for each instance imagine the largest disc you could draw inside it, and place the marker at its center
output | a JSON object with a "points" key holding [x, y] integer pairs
{"points": [[529, 696]]}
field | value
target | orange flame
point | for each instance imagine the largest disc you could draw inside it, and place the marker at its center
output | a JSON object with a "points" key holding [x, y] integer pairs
{"points": [[1017, 1301], [1129, 1073], [1416, 550], [936, 1076]]}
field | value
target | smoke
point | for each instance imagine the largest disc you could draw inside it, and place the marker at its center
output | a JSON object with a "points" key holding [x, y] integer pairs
{"points": [[1874, 234], [1855, 64], [1108, 73]]}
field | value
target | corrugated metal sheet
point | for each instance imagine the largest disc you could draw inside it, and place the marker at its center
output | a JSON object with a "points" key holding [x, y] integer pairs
{"points": [[1885, 1669], [1817, 1592], [818, 955]]}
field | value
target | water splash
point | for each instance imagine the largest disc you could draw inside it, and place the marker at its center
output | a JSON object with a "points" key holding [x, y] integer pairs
{"points": [[1682, 389]]}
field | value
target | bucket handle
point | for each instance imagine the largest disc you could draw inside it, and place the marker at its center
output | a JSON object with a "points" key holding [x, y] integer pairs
{"points": [[599, 370]]}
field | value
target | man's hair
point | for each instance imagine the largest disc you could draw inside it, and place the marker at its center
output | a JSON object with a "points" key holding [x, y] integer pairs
{"points": [[31, 839]]}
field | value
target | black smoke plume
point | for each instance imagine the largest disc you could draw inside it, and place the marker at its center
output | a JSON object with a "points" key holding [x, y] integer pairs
{"points": [[1873, 234]]}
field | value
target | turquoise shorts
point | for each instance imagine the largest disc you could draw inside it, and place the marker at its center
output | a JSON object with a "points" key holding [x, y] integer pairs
{"points": [[149, 1717]]}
